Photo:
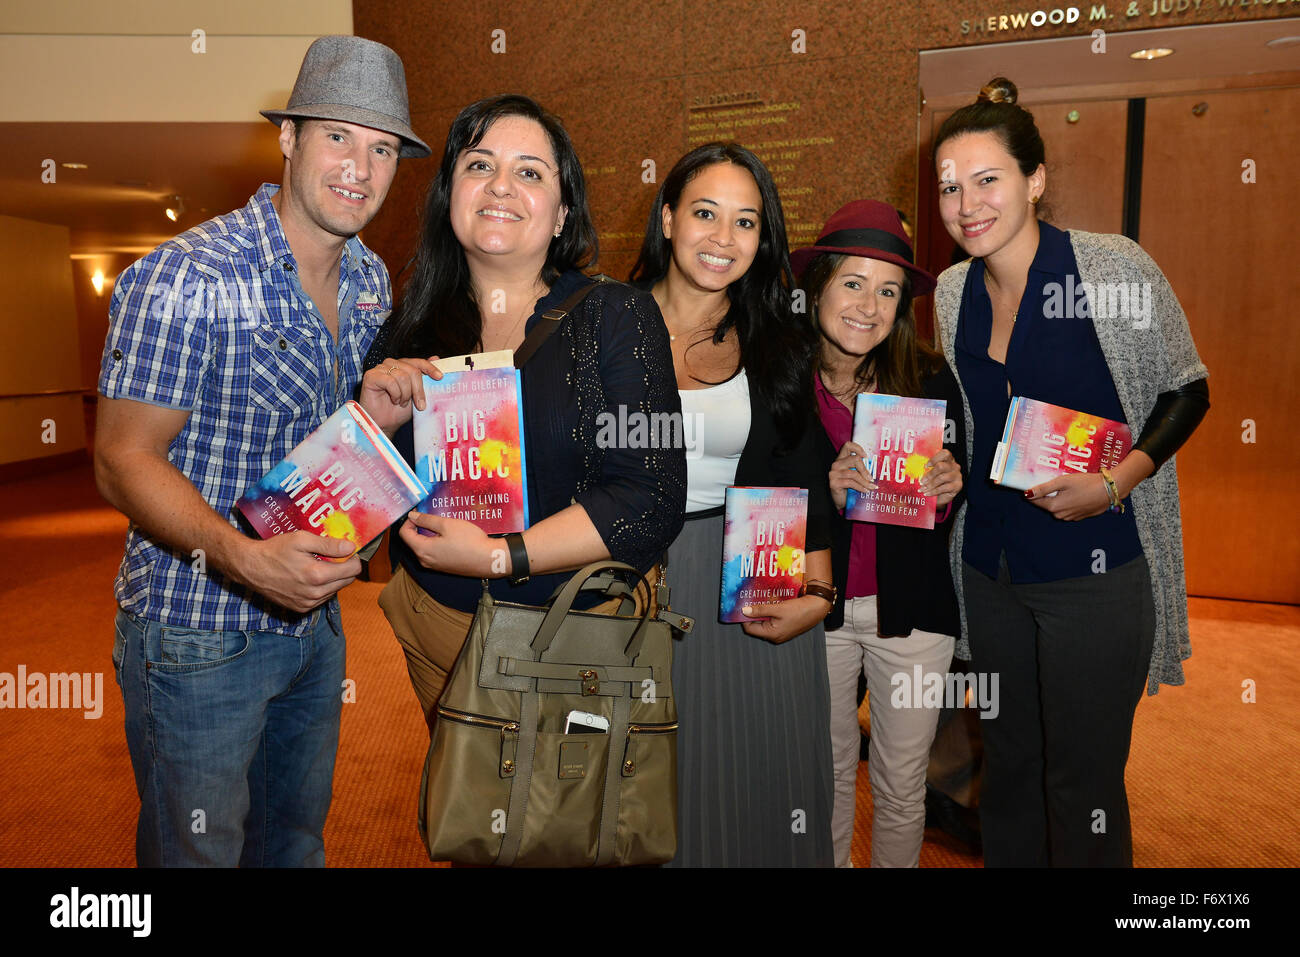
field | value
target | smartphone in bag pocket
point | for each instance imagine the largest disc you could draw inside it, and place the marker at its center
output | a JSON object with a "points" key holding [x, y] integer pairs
{"points": [[584, 722]]}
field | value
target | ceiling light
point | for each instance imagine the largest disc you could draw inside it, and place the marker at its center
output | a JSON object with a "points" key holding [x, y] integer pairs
{"points": [[1152, 53], [175, 208], [97, 281], [74, 166]]}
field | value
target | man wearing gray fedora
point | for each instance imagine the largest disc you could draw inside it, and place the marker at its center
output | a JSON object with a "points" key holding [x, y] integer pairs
{"points": [[227, 346]]}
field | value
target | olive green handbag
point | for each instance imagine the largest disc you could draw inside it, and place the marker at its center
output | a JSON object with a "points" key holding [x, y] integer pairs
{"points": [[503, 784]]}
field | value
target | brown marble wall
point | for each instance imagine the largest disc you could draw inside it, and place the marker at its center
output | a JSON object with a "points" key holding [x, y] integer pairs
{"points": [[825, 92]]}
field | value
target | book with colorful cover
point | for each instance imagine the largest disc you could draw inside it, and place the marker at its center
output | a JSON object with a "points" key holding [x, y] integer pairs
{"points": [[898, 435], [344, 481], [469, 443], [1041, 441], [762, 547]]}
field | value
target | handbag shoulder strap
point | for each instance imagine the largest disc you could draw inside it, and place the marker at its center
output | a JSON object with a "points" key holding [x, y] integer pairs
{"points": [[551, 320]]}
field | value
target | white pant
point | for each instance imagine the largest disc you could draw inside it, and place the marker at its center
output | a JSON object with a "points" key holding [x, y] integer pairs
{"points": [[900, 737]]}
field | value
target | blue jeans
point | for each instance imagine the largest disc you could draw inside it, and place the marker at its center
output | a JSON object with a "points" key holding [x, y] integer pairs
{"points": [[232, 737]]}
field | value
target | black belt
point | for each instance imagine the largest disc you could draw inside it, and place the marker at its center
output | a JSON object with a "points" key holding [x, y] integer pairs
{"points": [[706, 513]]}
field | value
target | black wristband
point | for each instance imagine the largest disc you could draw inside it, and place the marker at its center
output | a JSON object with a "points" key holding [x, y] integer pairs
{"points": [[518, 558], [820, 590]]}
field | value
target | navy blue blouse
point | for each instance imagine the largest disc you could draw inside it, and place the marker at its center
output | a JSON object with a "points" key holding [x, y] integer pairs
{"points": [[611, 352], [1053, 356]]}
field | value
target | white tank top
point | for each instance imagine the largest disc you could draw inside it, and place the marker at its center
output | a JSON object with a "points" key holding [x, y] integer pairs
{"points": [[715, 425]]}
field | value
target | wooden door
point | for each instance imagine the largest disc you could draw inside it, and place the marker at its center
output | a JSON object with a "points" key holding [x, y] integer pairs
{"points": [[1221, 243]]}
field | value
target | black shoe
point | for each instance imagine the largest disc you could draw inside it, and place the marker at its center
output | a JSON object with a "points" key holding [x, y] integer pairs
{"points": [[947, 815]]}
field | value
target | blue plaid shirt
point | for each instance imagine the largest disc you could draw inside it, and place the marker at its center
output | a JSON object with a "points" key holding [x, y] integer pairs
{"points": [[215, 321]]}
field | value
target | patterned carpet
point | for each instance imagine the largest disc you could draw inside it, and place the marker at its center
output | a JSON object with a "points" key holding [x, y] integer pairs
{"points": [[1213, 779]]}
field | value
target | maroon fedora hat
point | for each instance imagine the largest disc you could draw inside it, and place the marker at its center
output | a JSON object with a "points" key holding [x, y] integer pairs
{"points": [[866, 228]]}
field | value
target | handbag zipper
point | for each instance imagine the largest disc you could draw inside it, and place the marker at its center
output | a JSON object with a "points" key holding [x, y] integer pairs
{"points": [[509, 734], [629, 756], [652, 728], [464, 717]]}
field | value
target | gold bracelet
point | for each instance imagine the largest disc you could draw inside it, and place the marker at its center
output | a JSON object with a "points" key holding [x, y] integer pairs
{"points": [[1112, 492], [1109, 485]]}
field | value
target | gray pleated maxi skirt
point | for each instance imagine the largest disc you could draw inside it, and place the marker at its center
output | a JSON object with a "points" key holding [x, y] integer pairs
{"points": [[754, 773]]}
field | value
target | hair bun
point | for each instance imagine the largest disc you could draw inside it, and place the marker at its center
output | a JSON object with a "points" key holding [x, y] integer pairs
{"points": [[998, 90]]}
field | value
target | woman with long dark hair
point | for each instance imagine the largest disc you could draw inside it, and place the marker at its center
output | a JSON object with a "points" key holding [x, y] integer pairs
{"points": [[1073, 591], [753, 761], [896, 608], [506, 232]]}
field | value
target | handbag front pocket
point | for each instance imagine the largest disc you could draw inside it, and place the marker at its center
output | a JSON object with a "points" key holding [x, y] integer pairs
{"points": [[568, 783], [463, 817], [647, 807]]}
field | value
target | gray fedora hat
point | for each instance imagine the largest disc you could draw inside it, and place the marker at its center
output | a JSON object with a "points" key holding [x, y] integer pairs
{"points": [[356, 81]]}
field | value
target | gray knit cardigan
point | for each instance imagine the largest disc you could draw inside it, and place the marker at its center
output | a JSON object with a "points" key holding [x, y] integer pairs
{"points": [[1146, 357]]}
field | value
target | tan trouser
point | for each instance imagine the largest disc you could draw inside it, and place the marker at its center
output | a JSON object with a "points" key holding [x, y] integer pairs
{"points": [[432, 634], [900, 736]]}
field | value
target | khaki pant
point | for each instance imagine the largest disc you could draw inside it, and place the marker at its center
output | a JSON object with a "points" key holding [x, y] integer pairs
{"points": [[431, 634], [900, 736]]}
